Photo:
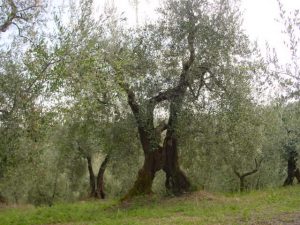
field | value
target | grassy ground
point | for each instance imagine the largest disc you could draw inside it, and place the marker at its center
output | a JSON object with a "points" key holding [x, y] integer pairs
{"points": [[273, 206]]}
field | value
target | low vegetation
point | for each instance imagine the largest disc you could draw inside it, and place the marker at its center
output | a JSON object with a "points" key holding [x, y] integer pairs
{"points": [[281, 205]]}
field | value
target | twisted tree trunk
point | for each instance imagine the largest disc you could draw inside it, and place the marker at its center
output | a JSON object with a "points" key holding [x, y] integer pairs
{"points": [[100, 178], [91, 177], [153, 162], [297, 175], [292, 171], [97, 183], [176, 181]]}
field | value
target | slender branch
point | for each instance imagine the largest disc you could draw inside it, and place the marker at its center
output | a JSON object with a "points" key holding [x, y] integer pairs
{"points": [[15, 14], [250, 173], [10, 17], [257, 165], [46, 66], [21, 35], [28, 8], [236, 172], [287, 74], [131, 98]]}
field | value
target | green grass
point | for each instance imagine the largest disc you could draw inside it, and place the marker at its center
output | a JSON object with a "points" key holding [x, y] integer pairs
{"points": [[196, 208]]}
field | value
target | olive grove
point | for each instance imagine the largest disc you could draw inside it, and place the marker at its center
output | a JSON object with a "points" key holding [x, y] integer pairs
{"points": [[92, 107]]}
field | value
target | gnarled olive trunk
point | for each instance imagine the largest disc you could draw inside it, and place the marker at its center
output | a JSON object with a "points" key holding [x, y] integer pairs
{"points": [[159, 157], [165, 158], [153, 162], [176, 181]]}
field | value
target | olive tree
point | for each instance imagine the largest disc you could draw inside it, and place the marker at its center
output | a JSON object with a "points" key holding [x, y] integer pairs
{"points": [[196, 47]]}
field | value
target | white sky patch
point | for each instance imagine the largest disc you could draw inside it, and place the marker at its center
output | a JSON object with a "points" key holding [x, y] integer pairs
{"points": [[259, 19], [260, 23], [145, 10]]}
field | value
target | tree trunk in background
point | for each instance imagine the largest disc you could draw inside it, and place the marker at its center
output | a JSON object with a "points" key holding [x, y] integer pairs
{"points": [[297, 175], [290, 171], [100, 179], [97, 184], [2, 199], [93, 193], [244, 175], [242, 184]]}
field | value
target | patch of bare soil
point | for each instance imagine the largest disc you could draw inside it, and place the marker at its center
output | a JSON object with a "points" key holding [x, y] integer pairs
{"points": [[284, 219]]}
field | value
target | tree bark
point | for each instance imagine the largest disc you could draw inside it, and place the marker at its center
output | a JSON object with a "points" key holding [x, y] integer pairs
{"points": [[292, 171], [242, 184], [153, 162], [100, 178], [97, 184], [176, 181], [11, 16], [157, 157], [93, 192], [2, 199], [297, 175]]}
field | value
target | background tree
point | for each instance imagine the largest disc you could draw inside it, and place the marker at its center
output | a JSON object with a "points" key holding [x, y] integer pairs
{"points": [[290, 143]]}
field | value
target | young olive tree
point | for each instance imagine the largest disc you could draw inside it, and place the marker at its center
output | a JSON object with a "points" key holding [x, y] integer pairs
{"points": [[93, 107]]}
